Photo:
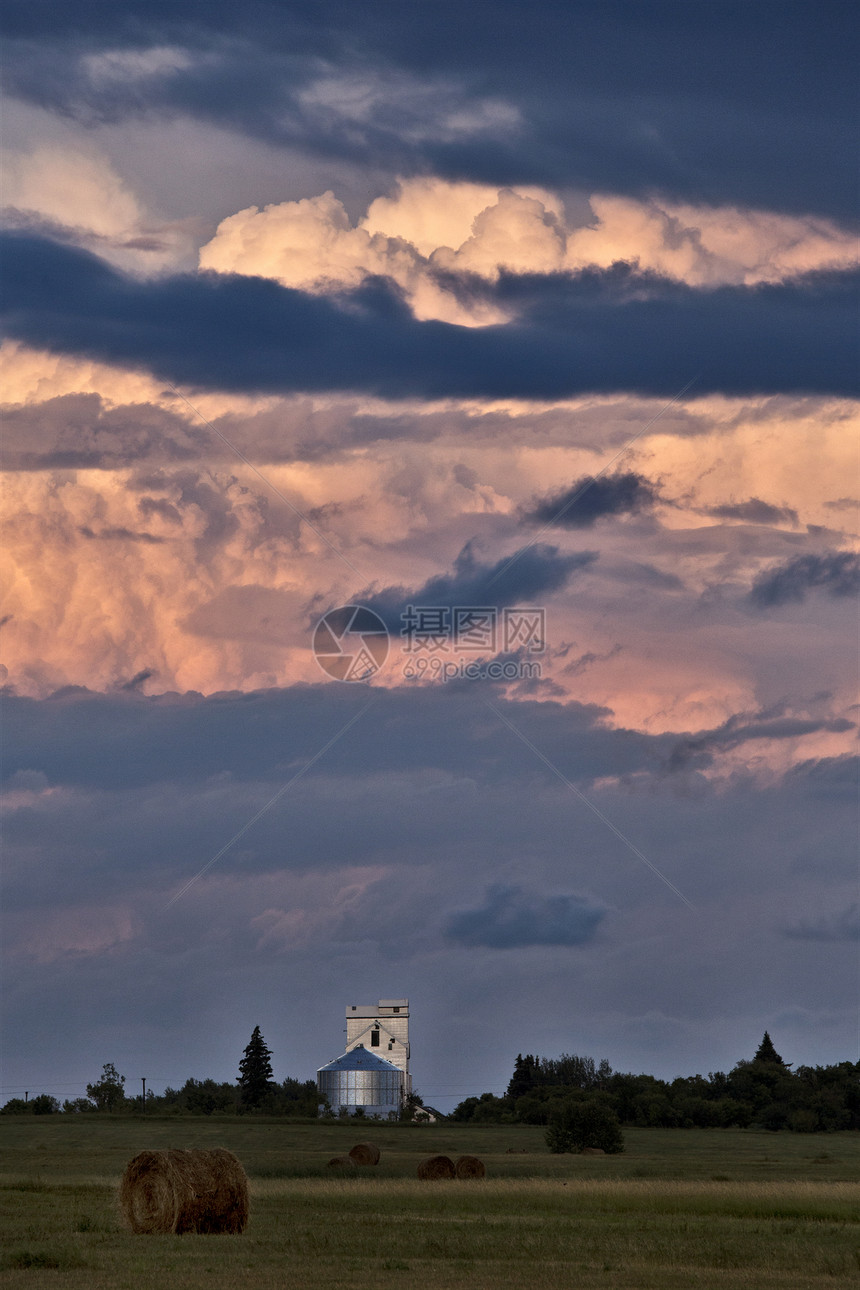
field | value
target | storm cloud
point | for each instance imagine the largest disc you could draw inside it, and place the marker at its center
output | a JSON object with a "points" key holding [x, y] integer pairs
{"points": [[699, 101], [597, 331]]}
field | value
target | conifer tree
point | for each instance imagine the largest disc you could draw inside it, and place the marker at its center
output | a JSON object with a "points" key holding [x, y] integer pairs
{"points": [[524, 1076], [255, 1070], [767, 1053]]}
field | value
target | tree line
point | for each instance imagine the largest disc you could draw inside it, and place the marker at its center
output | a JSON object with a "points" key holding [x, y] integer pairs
{"points": [[581, 1101], [763, 1092], [254, 1091]]}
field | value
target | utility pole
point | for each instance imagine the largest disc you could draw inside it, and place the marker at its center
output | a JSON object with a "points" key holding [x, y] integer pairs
{"points": [[143, 1082], [26, 1095]]}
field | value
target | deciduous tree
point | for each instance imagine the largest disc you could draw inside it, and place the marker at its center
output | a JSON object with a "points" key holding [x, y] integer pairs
{"points": [[108, 1092]]}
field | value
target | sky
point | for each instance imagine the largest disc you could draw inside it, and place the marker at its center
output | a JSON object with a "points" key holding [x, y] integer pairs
{"points": [[530, 331]]}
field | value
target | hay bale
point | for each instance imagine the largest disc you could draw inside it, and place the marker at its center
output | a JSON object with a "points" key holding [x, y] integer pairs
{"points": [[470, 1167], [365, 1153], [593, 1151], [346, 1163], [436, 1167], [184, 1191]]}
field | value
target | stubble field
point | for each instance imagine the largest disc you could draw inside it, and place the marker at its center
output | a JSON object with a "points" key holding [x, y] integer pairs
{"points": [[680, 1208]]}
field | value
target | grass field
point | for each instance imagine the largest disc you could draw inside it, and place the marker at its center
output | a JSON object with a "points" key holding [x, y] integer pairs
{"points": [[680, 1208]]}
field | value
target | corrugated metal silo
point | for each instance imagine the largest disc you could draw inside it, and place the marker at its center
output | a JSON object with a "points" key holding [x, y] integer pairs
{"points": [[360, 1078]]}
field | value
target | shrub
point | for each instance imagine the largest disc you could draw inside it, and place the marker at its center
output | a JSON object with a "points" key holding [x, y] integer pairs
{"points": [[585, 1122], [44, 1104], [15, 1106]]}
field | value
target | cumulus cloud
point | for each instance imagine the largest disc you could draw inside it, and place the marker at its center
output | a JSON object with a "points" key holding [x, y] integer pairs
{"points": [[433, 214], [836, 573], [432, 237], [708, 245], [313, 245], [512, 917], [587, 499]]}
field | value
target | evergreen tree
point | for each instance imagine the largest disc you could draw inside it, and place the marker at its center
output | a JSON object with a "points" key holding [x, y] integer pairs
{"points": [[524, 1077], [255, 1070], [767, 1053]]}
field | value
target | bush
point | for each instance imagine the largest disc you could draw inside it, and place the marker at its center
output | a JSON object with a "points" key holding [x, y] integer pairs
{"points": [[44, 1104], [41, 1104], [581, 1123], [15, 1106]]}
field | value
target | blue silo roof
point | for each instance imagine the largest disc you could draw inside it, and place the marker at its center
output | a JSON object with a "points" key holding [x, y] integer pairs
{"points": [[360, 1059]]}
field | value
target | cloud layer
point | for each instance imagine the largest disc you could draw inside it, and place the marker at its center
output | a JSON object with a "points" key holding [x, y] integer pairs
{"points": [[597, 332], [700, 103]]}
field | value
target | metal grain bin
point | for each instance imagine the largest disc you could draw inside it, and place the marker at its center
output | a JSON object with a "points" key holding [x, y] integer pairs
{"points": [[360, 1078]]}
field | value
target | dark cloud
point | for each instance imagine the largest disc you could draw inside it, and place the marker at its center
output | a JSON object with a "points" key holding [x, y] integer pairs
{"points": [[119, 535], [144, 790], [597, 331], [755, 511], [842, 926], [512, 917], [587, 499], [127, 740], [748, 104], [588, 659], [837, 573], [35, 223], [139, 679], [83, 431], [522, 578], [831, 778], [741, 728], [158, 506], [80, 432]]}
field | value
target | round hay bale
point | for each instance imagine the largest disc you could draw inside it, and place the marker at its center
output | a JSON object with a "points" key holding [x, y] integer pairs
{"points": [[470, 1167], [436, 1167], [346, 1163], [365, 1153], [593, 1151], [184, 1191]]}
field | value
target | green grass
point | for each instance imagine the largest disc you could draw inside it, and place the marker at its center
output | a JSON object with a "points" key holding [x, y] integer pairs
{"points": [[680, 1208]]}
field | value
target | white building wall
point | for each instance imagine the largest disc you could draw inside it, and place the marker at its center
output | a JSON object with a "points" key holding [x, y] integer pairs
{"points": [[390, 1019]]}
